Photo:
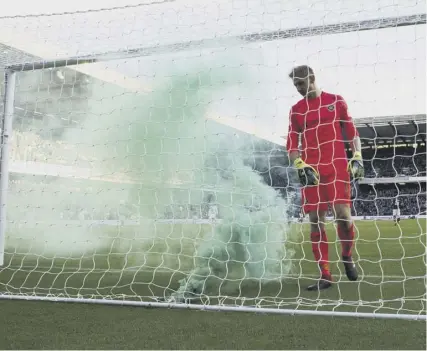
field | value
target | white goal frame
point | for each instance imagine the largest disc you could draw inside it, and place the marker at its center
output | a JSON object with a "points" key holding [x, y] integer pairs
{"points": [[11, 72]]}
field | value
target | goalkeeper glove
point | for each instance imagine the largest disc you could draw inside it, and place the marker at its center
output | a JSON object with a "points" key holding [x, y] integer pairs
{"points": [[355, 166], [307, 174]]}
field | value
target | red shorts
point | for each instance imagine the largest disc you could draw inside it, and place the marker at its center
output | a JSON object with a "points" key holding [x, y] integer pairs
{"points": [[332, 189]]}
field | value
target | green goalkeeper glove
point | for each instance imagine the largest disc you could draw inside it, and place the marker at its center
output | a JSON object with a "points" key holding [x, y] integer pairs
{"points": [[307, 174], [355, 166]]}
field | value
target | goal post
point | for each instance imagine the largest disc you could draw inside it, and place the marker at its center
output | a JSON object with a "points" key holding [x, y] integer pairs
{"points": [[157, 197], [6, 133]]}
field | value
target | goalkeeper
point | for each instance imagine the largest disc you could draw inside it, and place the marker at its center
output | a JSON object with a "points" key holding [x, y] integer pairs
{"points": [[323, 169]]}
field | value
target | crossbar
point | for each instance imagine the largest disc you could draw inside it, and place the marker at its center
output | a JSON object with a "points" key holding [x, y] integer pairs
{"points": [[379, 23]]}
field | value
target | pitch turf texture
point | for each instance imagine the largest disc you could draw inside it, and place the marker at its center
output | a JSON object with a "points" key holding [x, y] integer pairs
{"points": [[391, 261]]}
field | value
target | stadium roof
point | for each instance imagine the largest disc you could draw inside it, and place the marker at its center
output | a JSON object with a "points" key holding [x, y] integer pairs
{"points": [[10, 55], [401, 129]]}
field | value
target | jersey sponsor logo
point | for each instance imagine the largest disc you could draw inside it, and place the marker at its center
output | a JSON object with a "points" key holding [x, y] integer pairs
{"points": [[331, 107]]}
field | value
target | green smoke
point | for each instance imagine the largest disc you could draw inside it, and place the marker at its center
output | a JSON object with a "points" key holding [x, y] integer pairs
{"points": [[163, 137]]}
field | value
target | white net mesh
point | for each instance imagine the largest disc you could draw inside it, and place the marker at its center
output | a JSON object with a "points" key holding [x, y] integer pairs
{"points": [[163, 172]]}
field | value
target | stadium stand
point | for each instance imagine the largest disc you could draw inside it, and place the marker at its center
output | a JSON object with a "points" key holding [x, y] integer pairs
{"points": [[48, 101], [395, 160]]}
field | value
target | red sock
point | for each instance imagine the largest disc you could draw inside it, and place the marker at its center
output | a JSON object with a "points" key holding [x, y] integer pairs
{"points": [[319, 244], [347, 240]]}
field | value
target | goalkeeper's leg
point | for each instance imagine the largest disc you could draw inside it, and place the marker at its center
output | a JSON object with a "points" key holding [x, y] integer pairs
{"points": [[320, 247], [345, 226], [319, 242]]}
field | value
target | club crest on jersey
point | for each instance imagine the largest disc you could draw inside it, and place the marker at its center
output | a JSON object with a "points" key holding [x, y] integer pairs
{"points": [[331, 107]]}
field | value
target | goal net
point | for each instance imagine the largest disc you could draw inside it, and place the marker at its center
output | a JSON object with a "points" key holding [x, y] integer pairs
{"points": [[150, 167]]}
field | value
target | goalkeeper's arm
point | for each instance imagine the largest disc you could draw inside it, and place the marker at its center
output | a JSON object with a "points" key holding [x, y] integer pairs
{"points": [[292, 142], [355, 165], [307, 174], [293, 155]]}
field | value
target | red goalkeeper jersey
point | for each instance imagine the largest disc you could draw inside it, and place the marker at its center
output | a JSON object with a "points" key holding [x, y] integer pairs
{"points": [[320, 123]]}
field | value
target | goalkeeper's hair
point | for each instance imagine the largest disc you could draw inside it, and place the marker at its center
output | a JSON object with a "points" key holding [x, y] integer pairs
{"points": [[301, 72]]}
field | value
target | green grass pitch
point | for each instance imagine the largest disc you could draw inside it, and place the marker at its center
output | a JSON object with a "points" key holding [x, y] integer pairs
{"points": [[391, 261]]}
